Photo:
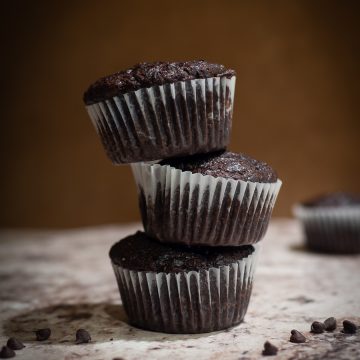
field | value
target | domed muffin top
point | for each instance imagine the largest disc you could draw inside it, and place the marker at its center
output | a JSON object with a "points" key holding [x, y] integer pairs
{"points": [[227, 165], [146, 75], [139, 252]]}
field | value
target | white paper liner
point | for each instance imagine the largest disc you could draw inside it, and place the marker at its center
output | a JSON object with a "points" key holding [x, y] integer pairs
{"points": [[185, 117], [182, 207], [188, 302], [330, 230]]}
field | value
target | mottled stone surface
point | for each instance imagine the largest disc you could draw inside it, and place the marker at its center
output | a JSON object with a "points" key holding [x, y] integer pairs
{"points": [[63, 280]]}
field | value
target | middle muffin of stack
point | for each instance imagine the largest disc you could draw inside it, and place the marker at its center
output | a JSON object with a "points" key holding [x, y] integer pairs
{"points": [[202, 207]]}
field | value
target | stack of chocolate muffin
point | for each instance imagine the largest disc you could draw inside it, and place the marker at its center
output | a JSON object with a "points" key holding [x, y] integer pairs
{"points": [[203, 208]]}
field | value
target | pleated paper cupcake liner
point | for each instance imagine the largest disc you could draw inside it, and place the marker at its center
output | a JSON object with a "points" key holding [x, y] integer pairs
{"points": [[187, 302], [181, 207], [183, 118], [331, 230]]}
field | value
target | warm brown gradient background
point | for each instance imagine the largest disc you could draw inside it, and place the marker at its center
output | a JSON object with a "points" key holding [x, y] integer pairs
{"points": [[297, 96]]}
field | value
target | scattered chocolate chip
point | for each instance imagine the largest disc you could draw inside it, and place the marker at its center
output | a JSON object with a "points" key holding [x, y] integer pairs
{"points": [[330, 324], [82, 336], [349, 327], [297, 337], [317, 327], [15, 344], [269, 349], [111, 339], [42, 334], [7, 353]]}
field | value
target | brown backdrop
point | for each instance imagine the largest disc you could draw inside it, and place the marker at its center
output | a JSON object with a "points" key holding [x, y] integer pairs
{"points": [[297, 95]]}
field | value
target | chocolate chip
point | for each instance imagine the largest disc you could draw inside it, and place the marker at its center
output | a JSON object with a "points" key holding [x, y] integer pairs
{"points": [[317, 327], [15, 344], [330, 324], [297, 337], [269, 349], [349, 327], [42, 334], [7, 353], [82, 336]]}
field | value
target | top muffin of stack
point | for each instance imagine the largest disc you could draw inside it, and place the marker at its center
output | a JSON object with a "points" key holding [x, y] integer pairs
{"points": [[160, 110], [181, 113]]}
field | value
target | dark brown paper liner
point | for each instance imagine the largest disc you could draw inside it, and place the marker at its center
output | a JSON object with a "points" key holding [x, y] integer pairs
{"points": [[187, 302], [181, 207], [182, 118], [331, 230]]}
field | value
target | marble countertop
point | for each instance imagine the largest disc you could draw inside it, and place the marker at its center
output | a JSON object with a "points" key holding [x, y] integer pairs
{"points": [[63, 280]]}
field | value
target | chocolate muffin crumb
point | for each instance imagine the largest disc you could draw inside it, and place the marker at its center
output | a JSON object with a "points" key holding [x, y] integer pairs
{"points": [[15, 344], [269, 349], [42, 334], [141, 253], [145, 75], [7, 353], [225, 164], [317, 327], [82, 336], [334, 200], [330, 324], [297, 337], [349, 327]]}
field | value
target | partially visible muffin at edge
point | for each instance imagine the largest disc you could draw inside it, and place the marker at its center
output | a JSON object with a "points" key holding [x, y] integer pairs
{"points": [[331, 223]]}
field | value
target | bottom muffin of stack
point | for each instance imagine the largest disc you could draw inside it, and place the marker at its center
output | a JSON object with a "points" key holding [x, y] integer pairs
{"points": [[178, 289]]}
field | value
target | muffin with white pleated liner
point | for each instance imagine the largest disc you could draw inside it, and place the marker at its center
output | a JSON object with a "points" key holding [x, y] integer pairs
{"points": [[214, 199], [158, 110], [177, 289], [331, 223]]}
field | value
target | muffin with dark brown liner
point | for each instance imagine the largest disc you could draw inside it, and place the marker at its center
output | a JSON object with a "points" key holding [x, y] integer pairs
{"points": [[177, 289], [214, 199], [163, 109], [331, 223]]}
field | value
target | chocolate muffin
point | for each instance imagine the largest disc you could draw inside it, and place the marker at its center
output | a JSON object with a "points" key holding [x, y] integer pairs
{"points": [[177, 289], [215, 199], [162, 109], [331, 223]]}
